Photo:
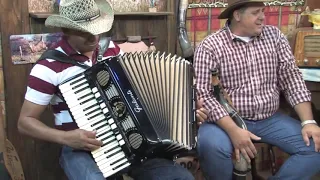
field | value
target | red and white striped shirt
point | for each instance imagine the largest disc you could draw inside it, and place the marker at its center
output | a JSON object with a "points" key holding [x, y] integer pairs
{"points": [[252, 73], [47, 74]]}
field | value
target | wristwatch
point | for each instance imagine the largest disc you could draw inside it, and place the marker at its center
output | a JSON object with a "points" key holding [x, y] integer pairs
{"points": [[308, 122]]}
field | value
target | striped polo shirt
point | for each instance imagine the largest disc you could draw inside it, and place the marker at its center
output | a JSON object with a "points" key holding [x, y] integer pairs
{"points": [[47, 74]]}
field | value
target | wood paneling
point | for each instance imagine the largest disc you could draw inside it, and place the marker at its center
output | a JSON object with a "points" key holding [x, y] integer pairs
{"points": [[40, 159]]}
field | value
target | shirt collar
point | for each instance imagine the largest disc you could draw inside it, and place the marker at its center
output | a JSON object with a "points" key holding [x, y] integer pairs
{"points": [[70, 51], [232, 37]]}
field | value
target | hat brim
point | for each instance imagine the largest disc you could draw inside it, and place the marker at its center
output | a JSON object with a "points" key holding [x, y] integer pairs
{"points": [[97, 26], [226, 13]]}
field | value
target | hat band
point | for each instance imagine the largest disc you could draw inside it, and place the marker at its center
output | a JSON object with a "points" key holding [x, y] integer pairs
{"points": [[88, 19]]}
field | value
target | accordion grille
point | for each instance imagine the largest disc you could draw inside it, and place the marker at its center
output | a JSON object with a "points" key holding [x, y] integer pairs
{"points": [[164, 85]]}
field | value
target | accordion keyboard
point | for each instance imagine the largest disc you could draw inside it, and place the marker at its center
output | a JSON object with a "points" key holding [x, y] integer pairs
{"points": [[91, 113]]}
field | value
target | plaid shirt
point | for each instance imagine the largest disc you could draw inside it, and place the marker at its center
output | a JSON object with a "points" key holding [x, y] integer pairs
{"points": [[252, 73]]}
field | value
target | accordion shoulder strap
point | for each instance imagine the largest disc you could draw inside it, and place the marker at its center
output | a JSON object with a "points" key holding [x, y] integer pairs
{"points": [[60, 56]]}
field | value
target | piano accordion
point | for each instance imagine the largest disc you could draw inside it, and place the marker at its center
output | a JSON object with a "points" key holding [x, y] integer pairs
{"points": [[142, 105]]}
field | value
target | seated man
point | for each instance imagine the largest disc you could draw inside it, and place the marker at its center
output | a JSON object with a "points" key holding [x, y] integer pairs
{"points": [[255, 63], [81, 22]]}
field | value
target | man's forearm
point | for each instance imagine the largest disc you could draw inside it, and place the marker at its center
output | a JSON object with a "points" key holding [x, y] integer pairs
{"points": [[304, 111], [227, 124], [36, 129]]}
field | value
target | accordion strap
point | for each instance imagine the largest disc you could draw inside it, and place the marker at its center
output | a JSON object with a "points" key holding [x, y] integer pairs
{"points": [[60, 56]]}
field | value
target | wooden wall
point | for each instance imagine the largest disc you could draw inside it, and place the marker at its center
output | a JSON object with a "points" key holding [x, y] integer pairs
{"points": [[40, 159]]}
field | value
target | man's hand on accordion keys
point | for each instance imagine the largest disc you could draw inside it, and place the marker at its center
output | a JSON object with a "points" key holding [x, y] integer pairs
{"points": [[82, 139], [202, 113]]}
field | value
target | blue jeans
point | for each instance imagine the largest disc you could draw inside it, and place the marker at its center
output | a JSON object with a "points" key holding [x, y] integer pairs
{"points": [[79, 165], [215, 148]]}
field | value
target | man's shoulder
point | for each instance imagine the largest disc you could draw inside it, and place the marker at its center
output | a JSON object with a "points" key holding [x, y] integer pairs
{"points": [[270, 30], [214, 39]]}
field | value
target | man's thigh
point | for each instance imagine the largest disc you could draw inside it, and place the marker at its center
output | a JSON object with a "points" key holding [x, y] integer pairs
{"points": [[79, 165], [284, 132], [160, 169], [213, 142]]}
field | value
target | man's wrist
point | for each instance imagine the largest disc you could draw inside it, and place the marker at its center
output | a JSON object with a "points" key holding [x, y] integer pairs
{"points": [[305, 122]]}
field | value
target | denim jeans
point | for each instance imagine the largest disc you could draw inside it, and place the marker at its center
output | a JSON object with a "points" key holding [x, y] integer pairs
{"points": [[215, 148], [79, 165]]}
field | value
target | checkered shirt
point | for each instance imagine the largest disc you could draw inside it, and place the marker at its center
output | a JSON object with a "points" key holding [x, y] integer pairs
{"points": [[252, 73]]}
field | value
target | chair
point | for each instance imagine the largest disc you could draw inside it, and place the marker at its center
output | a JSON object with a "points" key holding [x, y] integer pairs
{"points": [[272, 158]]}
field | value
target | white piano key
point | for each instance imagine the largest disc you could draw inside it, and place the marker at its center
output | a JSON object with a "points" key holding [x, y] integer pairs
{"points": [[83, 123], [105, 135], [105, 110], [109, 173], [110, 159], [113, 126], [104, 148], [70, 96], [105, 155], [68, 87], [103, 105], [94, 90], [83, 106], [75, 102], [97, 95], [119, 137], [71, 82], [111, 121]]}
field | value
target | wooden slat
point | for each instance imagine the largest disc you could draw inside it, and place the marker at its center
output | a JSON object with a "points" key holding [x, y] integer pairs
{"points": [[42, 15]]}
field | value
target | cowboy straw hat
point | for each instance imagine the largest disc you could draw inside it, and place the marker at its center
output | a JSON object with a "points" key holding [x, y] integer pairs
{"points": [[83, 15], [234, 4]]}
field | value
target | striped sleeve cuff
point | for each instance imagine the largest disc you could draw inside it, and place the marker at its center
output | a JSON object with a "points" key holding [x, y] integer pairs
{"points": [[216, 111], [299, 97]]}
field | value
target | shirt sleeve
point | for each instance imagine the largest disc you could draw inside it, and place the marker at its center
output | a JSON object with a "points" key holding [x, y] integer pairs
{"points": [[290, 78], [41, 87], [204, 60]]}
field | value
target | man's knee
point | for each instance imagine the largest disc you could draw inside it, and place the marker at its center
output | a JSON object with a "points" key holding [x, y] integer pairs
{"points": [[213, 140]]}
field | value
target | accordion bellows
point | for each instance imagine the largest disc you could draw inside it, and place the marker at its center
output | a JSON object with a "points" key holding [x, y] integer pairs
{"points": [[141, 105]]}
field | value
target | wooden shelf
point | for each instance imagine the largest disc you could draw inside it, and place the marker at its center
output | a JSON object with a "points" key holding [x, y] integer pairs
{"points": [[42, 15]]}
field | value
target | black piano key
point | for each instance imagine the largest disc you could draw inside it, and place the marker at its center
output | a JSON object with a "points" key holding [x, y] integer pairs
{"points": [[90, 99], [100, 113], [75, 87], [77, 91], [111, 149], [114, 154], [88, 113], [77, 80], [119, 164], [85, 109]]}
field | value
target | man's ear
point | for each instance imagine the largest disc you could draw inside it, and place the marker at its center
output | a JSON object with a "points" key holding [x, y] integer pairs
{"points": [[236, 15]]}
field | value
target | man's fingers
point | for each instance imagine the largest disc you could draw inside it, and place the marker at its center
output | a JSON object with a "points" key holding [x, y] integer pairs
{"points": [[90, 134], [94, 142], [200, 103], [91, 147], [254, 137], [316, 140], [201, 115], [237, 152], [253, 149], [249, 152], [306, 138], [245, 155]]}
